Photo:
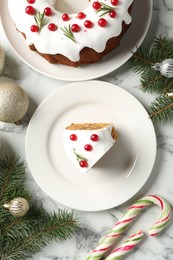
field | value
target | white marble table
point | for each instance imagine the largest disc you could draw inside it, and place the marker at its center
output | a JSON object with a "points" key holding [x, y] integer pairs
{"points": [[95, 224]]}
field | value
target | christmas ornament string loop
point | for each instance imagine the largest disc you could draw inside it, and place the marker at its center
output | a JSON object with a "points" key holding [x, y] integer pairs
{"points": [[106, 242]]}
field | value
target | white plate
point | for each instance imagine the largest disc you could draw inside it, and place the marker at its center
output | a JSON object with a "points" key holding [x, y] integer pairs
{"points": [[142, 13], [120, 174]]}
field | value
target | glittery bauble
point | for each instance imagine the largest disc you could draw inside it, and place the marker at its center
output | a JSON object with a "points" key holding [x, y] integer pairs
{"points": [[2, 59], [18, 207], [14, 101], [165, 68]]}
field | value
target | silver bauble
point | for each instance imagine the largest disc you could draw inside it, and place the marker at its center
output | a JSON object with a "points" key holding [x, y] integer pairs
{"points": [[18, 207], [14, 101], [165, 68], [2, 58]]}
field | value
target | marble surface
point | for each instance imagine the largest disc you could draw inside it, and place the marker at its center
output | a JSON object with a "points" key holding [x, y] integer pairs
{"points": [[95, 224]]}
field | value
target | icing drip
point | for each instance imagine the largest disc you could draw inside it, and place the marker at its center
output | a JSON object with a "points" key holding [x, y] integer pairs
{"points": [[56, 42]]}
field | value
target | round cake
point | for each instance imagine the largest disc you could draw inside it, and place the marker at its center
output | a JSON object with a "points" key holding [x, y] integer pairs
{"points": [[71, 39], [85, 144]]}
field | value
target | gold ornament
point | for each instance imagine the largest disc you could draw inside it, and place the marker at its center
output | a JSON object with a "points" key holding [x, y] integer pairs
{"points": [[18, 207], [14, 101], [2, 59]]}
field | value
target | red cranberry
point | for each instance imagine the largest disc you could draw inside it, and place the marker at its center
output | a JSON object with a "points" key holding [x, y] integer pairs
{"points": [[112, 14], [52, 27], [83, 164], [96, 5], [73, 137], [34, 28], [75, 27], [88, 24], [65, 17], [81, 15], [102, 22], [30, 10], [94, 138], [88, 147], [31, 1], [114, 2], [48, 11]]}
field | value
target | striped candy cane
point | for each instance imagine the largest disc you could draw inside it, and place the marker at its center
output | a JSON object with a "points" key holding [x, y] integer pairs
{"points": [[127, 246], [107, 241]]}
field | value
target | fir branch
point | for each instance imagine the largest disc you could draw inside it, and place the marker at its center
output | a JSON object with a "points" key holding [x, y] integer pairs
{"points": [[141, 61], [68, 32], [54, 227], [161, 108], [28, 234], [12, 176], [163, 47], [152, 80]]}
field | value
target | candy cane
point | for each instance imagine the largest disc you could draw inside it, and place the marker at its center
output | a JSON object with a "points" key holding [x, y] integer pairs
{"points": [[127, 246], [107, 241]]}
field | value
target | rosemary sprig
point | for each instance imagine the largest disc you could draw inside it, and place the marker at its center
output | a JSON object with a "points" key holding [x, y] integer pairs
{"points": [[40, 20], [79, 157], [68, 32], [104, 9]]}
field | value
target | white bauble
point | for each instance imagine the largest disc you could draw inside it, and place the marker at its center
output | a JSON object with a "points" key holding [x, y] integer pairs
{"points": [[14, 101]]}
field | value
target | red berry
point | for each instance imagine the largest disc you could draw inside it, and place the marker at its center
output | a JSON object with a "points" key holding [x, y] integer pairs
{"points": [[96, 5], [114, 2], [31, 1], [75, 27], [112, 14], [29, 10], [81, 15], [88, 24], [52, 27], [83, 164], [48, 11], [34, 28], [65, 17], [73, 137], [94, 138], [102, 22], [88, 147]]}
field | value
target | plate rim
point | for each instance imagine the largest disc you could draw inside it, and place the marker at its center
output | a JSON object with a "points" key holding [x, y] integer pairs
{"points": [[71, 205], [80, 74]]}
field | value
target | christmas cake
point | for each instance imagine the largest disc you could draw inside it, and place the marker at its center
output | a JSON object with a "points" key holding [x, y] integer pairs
{"points": [[71, 39], [85, 143]]}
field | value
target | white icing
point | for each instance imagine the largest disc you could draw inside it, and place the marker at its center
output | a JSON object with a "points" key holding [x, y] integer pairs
{"points": [[55, 42], [100, 147]]}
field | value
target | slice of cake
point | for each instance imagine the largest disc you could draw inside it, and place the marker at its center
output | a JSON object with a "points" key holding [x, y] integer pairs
{"points": [[86, 143]]}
